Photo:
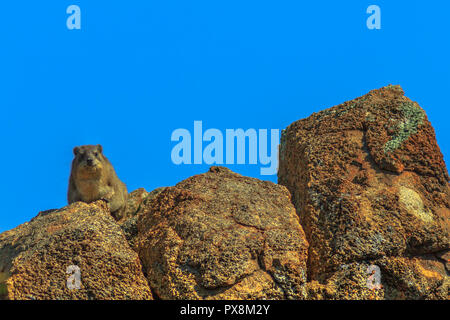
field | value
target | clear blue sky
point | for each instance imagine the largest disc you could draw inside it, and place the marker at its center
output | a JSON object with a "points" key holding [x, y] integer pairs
{"points": [[137, 70]]}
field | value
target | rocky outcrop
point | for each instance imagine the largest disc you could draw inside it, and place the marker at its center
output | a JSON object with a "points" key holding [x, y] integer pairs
{"points": [[40, 259], [220, 235], [361, 212], [371, 189]]}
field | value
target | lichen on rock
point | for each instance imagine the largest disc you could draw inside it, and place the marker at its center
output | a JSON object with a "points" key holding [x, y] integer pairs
{"points": [[413, 118]]}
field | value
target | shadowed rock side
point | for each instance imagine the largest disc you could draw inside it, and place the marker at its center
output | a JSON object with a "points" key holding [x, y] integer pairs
{"points": [[34, 257], [135, 206], [220, 235], [370, 187]]}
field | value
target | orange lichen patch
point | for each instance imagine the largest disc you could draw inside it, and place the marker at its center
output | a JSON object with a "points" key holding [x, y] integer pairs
{"points": [[430, 273], [53, 228], [445, 213]]}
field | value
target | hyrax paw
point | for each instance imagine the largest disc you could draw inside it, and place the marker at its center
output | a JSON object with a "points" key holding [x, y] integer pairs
{"points": [[106, 200]]}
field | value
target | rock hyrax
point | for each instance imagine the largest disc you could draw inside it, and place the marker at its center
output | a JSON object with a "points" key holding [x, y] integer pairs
{"points": [[93, 178]]}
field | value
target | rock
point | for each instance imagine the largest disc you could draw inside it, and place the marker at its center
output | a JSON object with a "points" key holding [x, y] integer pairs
{"points": [[444, 257], [220, 235], [421, 277], [36, 256], [370, 186], [401, 278], [135, 200]]}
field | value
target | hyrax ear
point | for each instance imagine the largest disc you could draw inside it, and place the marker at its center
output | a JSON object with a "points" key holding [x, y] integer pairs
{"points": [[76, 150], [100, 148]]}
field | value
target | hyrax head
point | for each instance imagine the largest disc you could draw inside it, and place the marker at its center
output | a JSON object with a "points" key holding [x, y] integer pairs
{"points": [[88, 158]]}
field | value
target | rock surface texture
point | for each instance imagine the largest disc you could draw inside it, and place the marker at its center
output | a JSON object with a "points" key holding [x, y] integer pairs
{"points": [[370, 186], [35, 257], [220, 235]]}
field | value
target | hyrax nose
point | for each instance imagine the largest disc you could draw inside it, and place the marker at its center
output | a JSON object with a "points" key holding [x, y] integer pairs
{"points": [[90, 161]]}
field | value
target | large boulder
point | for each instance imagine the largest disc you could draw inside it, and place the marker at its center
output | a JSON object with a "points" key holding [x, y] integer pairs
{"points": [[371, 189], [220, 235], [42, 259]]}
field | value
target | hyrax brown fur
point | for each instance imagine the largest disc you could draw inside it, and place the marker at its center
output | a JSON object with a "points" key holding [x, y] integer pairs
{"points": [[94, 178]]}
